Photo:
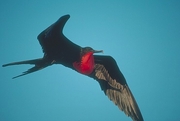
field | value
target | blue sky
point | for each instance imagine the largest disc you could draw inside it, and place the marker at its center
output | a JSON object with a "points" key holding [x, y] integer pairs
{"points": [[143, 37]]}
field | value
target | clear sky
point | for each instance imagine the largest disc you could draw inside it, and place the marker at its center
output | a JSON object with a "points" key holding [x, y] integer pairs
{"points": [[143, 36]]}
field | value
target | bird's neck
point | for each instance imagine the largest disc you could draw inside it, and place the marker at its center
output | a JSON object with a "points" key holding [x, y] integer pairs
{"points": [[86, 64]]}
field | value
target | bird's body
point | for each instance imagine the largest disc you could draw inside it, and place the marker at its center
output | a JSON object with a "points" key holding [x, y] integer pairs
{"points": [[86, 64], [60, 50]]}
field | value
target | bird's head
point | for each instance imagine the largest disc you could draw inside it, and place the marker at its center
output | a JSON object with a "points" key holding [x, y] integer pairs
{"points": [[87, 50]]}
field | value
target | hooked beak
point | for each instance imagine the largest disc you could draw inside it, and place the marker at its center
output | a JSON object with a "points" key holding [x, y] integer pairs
{"points": [[97, 51]]}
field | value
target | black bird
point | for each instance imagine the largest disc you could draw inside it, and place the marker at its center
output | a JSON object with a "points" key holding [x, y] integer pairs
{"points": [[60, 50]]}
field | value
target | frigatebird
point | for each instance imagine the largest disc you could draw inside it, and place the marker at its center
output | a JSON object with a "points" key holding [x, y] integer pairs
{"points": [[60, 50]]}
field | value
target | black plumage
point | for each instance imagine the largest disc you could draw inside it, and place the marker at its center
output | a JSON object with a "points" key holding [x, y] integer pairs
{"points": [[60, 50]]}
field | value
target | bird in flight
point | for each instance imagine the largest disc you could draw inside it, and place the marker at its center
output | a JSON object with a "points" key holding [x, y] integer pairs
{"points": [[58, 49]]}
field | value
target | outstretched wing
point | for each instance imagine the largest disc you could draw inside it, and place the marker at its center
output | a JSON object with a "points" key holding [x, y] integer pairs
{"points": [[114, 85], [52, 39]]}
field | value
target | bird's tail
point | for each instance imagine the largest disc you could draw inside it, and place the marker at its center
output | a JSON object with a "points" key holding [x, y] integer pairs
{"points": [[39, 64], [34, 61]]}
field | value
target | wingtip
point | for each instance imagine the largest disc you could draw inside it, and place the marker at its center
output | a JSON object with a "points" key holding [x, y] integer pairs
{"points": [[67, 16]]}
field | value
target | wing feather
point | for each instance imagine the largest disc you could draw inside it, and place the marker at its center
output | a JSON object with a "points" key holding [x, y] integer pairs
{"points": [[52, 38], [114, 85], [54, 42]]}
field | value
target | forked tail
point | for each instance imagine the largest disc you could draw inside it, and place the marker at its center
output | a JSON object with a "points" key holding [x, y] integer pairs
{"points": [[35, 61], [39, 64]]}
